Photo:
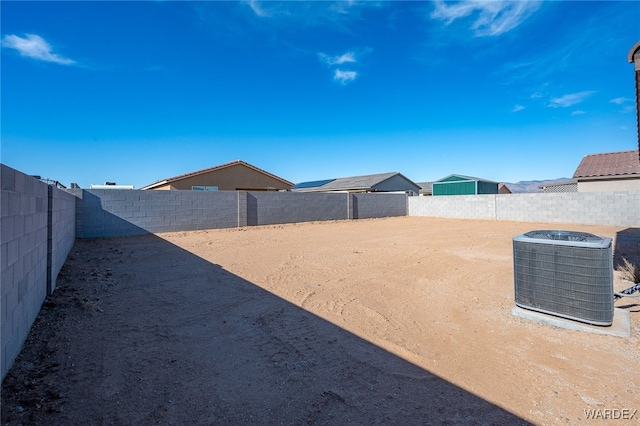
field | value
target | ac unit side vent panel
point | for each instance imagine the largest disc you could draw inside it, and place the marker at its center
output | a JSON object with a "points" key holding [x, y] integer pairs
{"points": [[572, 279]]}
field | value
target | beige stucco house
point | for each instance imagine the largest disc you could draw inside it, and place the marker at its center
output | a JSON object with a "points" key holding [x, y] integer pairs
{"points": [[234, 176], [610, 171]]}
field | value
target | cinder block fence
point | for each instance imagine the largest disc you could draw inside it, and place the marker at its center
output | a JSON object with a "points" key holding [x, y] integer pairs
{"points": [[114, 213], [618, 208], [37, 232]]}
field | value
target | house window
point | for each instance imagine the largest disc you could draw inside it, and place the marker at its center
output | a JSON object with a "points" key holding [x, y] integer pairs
{"points": [[204, 188]]}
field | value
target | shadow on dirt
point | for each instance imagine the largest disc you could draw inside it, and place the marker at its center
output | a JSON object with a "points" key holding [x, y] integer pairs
{"points": [[192, 343], [188, 342]]}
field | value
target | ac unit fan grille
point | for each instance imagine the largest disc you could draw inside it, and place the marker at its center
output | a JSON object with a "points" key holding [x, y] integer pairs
{"points": [[572, 282]]}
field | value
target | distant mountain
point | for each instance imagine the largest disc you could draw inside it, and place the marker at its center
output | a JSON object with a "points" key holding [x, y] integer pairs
{"points": [[533, 185]]}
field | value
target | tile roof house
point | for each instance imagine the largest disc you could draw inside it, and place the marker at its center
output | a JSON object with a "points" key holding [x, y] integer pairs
{"points": [[610, 171], [382, 182], [234, 176]]}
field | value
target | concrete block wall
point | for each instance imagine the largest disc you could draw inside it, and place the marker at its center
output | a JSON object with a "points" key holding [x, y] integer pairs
{"points": [[62, 230], [454, 206], [267, 208], [619, 208], [367, 206], [37, 233], [114, 213], [23, 242]]}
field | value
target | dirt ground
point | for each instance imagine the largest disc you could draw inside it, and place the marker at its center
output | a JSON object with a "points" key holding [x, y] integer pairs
{"points": [[388, 321]]}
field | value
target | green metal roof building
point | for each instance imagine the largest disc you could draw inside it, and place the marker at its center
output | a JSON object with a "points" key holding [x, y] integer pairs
{"points": [[464, 185]]}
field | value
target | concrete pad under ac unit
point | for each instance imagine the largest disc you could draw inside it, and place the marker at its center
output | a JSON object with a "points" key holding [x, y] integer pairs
{"points": [[621, 326]]}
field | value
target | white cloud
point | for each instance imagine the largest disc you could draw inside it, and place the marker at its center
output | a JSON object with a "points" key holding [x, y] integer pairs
{"points": [[337, 60], [619, 101], [344, 77], [578, 112], [34, 46], [351, 57], [311, 13], [493, 17], [517, 108], [257, 8], [570, 99], [342, 6], [627, 105]]}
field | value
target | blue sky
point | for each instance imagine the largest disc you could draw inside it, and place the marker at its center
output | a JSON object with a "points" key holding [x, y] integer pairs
{"points": [[134, 92]]}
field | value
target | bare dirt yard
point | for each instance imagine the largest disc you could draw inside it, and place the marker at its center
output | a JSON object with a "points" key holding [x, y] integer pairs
{"points": [[388, 321]]}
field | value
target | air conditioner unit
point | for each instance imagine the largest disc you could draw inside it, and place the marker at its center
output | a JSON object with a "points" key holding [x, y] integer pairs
{"points": [[564, 273]]}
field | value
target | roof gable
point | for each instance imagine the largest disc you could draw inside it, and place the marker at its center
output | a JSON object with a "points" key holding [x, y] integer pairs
{"points": [[213, 169], [503, 189], [609, 164]]}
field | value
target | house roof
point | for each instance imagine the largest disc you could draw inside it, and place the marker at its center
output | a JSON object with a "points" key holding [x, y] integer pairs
{"points": [[552, 185], [213, 169], [609, 164], [506, 188], [311, 184], [366, 182], [426, 187], [465, 178]]}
